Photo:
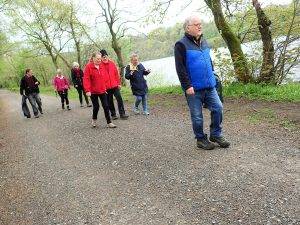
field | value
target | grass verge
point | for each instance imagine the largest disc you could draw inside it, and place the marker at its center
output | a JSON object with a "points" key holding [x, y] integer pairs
{"points": [[287, 92]]}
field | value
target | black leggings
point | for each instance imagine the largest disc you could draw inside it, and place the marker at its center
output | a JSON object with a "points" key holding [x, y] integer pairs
{"points": [[80, 93], [115, 92], [64, 97], [104, 103]]}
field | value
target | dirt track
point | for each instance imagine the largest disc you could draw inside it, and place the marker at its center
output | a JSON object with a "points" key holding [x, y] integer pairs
{"points": [[58, 170]]}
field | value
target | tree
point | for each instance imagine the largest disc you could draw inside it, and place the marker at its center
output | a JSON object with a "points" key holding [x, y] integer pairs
{"points": [[117, 24], [111, 16], [3, 4], [232, 41], [75, 32], [234, 45], [41, 21], [74, 28], [289, 50], [264, 23]]}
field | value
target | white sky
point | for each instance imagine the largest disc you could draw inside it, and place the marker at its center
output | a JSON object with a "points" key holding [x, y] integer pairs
{"points": [[175, 13]]}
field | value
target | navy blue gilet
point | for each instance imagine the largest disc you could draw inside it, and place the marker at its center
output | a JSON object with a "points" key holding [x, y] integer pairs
{"points": [[198, 64]]}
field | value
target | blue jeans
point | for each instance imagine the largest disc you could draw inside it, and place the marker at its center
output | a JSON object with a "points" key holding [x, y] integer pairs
{"points": [[143, 99], [36, 103], [211, 99]]}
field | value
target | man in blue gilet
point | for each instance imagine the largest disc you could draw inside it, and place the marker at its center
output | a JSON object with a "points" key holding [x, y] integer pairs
{"points": [[195, 72]]}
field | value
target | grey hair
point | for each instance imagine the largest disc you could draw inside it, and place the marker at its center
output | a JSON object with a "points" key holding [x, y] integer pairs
{"points": [[133, 55], [188, 21], [75, 64]]}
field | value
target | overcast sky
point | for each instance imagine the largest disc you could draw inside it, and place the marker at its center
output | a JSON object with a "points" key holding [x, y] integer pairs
{"points": [[175, 14]]}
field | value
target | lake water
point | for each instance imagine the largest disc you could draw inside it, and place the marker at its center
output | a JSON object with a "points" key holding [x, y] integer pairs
{"points": [[164, 72]]}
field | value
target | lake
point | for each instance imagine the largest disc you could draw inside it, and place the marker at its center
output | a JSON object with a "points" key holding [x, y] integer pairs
{"points": [[164, 72]]}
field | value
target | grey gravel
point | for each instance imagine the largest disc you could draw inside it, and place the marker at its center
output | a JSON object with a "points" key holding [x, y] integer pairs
{"points": [[57, 169]]}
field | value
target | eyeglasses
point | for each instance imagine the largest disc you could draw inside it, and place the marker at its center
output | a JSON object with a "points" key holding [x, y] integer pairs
{"points": [[196, 24]]}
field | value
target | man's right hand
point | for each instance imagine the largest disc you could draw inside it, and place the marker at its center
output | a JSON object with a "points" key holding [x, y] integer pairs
{"points": [[190, 91], [88, 94]]}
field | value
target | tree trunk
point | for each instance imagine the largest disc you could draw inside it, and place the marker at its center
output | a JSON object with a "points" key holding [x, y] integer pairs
{"points": [[78, 54], [234, 45], [67, 63], [53, 57], [118, 50], [75, 38], [267, 74]]}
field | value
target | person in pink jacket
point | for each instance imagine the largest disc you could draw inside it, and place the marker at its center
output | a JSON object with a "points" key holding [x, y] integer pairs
{"points": [[61, 86]]}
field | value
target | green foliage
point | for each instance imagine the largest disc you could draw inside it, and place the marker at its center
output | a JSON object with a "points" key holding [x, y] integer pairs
{"points": [[13, 67], [160, 42], [157, 44], [287, 92], [244, 23]]}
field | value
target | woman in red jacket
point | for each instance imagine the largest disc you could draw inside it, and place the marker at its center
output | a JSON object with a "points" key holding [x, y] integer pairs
{"points": [[113, 86], [62, 85], [94, 82]]}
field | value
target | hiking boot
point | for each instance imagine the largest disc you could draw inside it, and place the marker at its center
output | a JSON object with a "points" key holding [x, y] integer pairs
{"points": [[205, 144], [89, 105], [146, 113], [220, 140], [111, 125], [93, 123], [124, 117], [136, 111], [114, 117]]}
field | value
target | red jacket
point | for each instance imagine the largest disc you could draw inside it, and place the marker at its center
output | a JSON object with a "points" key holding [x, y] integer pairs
{"points": [[94, 80], [61, 83], [113, 74]]}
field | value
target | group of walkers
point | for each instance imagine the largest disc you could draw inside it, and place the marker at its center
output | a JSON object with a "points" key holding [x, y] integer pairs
{"points": [[101, 80]]}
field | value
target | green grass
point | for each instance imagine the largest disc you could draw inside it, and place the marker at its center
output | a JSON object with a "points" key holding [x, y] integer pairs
{"points": [[269, 115], [288, 92], [264, 114], [288, 124]]}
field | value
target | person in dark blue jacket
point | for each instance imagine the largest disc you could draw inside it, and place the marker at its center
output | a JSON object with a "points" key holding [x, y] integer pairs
{"points": [[135, 72], [196, 75]]}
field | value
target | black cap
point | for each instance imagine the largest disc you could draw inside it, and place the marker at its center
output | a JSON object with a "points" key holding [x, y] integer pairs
{"points": [[103, 52]]}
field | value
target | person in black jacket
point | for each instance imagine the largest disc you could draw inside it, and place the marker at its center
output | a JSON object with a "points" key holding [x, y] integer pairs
{"points": [[29, 88], [77, 75]]}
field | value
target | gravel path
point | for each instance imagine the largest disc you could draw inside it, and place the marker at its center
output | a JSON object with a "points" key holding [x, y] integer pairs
{"points": [[58, 170]]}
